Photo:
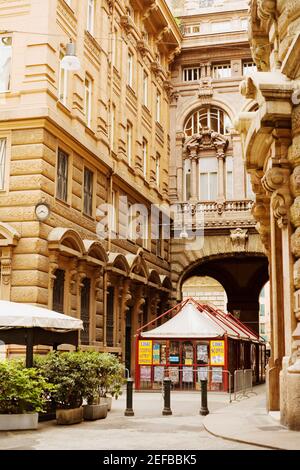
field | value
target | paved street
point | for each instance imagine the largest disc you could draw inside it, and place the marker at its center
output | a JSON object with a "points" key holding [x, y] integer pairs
{"points": [[148, 429]]}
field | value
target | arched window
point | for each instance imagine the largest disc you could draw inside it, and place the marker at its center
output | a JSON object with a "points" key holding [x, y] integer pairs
{"points": [[59, 291], [85, 310], [209, 117]]}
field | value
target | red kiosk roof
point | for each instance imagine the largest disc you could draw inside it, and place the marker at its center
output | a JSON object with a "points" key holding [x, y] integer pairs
{"points": [[191, 319]]}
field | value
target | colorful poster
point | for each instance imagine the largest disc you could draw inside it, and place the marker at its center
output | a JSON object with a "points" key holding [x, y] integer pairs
{"points": [[174, 374], [145, 352], [189, 362], [187, 375], [217, 375], [159, 374], [217, 353], [156, 353], [145, 374]]}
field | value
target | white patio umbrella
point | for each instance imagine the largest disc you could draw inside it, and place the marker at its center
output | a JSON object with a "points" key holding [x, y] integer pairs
{"points": [[29, 325]]}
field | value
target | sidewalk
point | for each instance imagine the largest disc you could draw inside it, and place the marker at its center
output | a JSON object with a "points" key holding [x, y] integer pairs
{"points": [[248, 422]]}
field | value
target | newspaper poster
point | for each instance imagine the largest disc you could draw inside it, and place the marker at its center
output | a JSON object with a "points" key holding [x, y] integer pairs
{"points": [[217, 375], [202, 373], [159, 374], [174, 374], [145, 374], [187, 375]]}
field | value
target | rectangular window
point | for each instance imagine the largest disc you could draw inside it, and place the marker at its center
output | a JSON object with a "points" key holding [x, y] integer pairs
{"points": [[88, 192], [249, 191], [220, 26], [157, 170], [129, 143], [62, 175], [192, 29], [248, 68], [5, 63], [115, 48], [3, 145], [130, 69], [113, 212], [91, 16], [145, 157], [229, 178], [88, 101], [191, 74], [158, 106], [145, 89], [112, 126], [187, 179], [221, 71], [245, 24], [208, 179], [110, 317], [63, 83]]}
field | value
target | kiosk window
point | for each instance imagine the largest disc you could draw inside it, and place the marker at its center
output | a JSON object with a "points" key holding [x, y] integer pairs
{"points": [[174, 355], [188, 354], [202, 354]]}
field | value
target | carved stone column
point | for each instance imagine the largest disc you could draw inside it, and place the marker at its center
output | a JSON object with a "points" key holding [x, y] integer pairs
{"points": [[276, 183], [221, 176]]}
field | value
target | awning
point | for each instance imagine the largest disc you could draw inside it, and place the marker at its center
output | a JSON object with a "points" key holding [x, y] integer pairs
{"points": [[20, 315]]}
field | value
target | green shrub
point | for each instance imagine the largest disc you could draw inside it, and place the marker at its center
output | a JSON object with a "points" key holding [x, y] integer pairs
{"points": [[81, 375], [22, 390]]}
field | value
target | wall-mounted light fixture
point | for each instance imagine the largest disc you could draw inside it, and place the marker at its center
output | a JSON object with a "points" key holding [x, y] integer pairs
{"points": [[70, 60]]}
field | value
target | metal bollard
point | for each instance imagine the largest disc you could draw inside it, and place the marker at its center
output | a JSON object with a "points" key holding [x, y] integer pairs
{"points": [[167, 397], [204, 409], [129, 398]]}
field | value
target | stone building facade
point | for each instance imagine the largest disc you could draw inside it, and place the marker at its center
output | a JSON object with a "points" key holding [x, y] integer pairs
{"points": [[271, 142], [208, 181], [73, 141]]}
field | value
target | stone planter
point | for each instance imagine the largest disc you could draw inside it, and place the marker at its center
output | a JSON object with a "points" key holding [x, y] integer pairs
{"points": [[67, 417], [94, 412], [24, 422], [106, 400]]}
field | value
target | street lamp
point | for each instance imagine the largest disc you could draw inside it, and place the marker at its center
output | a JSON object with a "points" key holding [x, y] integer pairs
{"points": [[70, 60]]}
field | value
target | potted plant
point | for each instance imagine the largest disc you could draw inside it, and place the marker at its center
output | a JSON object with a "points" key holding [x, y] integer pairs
{"points": [[94, 410], [111, 379], [23, 395], [68, 372]]}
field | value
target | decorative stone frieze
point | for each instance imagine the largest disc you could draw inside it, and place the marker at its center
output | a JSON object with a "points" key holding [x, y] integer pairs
{"points": [[239, 239]]}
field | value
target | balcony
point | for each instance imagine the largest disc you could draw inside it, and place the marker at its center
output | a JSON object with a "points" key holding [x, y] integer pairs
{"points": [[211, 214]]}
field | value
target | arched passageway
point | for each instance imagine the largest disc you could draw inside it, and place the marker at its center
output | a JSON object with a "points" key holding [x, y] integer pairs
{"points": [[242, 278]]}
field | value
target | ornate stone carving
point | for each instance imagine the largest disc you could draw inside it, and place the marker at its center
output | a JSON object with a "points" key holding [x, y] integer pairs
{"points": [[248, 89], [5, 271], [266, 9], [295, 212], [239, 239], [207, 139], [276, 182], [295, 182], [295, 243], [206, 90], [297, 274]]}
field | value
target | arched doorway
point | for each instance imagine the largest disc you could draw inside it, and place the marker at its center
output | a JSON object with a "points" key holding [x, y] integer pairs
{"points": [[242, 277], [206, 290]]}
